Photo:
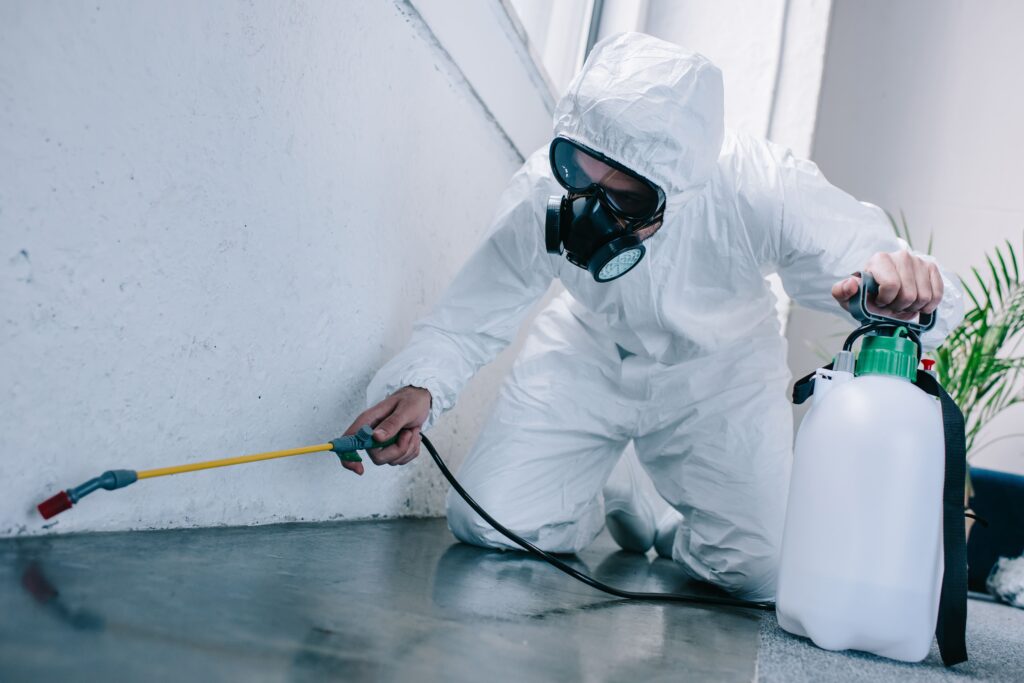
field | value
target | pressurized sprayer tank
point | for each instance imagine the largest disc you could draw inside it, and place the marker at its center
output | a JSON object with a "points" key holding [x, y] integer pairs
{"points": [[862, 549], [862, 552]]}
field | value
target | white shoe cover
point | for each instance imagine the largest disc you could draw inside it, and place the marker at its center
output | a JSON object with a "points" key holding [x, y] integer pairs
{"points": [[1006, 582], [628, 512], [631, 523], [665, 535]]}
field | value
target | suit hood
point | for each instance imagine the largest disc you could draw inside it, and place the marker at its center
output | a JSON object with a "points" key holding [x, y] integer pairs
{"points": [[650, 105]]}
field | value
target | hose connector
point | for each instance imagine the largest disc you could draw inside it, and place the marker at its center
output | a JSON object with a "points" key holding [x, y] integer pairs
{"points": [[346, 446]]}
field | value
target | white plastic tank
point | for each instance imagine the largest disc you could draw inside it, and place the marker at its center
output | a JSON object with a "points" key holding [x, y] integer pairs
{"points": [[861, 560]]}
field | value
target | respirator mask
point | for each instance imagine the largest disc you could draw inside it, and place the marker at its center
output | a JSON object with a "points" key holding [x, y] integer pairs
{"points": [[605, 204]]}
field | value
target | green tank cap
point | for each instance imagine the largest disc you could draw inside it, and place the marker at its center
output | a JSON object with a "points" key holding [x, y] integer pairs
{"points": [[882, 355]]}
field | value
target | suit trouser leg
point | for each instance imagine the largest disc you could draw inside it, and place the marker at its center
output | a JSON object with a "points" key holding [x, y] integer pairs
{"points": [[549, 444], [723, 461]]}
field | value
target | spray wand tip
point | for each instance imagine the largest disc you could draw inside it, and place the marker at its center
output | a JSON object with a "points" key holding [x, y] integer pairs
{"points": [[51, 507]]}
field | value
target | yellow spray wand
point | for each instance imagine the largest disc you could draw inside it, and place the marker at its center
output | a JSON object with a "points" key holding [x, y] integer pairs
{"points": [[344, 446]]}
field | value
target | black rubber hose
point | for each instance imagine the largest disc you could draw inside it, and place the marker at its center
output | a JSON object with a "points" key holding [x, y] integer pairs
{"points": [[579, 576]]}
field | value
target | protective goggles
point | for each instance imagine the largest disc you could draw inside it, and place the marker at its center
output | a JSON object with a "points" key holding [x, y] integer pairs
{"points": [[583, 171]]}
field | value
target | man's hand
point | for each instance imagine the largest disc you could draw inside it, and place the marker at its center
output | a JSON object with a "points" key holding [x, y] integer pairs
{"points": [[908, 285], [402, 413]]}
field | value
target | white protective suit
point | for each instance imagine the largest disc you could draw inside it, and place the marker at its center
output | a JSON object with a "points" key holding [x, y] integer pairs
{"points": [[704, 394]]}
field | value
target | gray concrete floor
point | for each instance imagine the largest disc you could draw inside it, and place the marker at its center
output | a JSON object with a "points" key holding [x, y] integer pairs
{"points": [[386, 600]]}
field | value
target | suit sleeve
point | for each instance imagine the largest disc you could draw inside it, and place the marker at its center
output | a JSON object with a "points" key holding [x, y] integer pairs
{"points": [[826, 235]]}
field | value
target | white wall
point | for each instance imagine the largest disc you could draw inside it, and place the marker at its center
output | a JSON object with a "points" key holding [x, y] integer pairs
{"points": [[490, 48], [557, 32], [741, 38], [216, 221], [921, 111]]}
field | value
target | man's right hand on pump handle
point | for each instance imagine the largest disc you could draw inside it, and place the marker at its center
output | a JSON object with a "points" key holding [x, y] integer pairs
{"points": [[402, 413]]}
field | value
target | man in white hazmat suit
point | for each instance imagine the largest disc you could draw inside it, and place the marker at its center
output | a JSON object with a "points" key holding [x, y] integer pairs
{"points": [[682, 354]]}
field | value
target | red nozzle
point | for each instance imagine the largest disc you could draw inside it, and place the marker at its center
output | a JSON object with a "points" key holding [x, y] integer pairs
{"points": [[928, 364], [51, 507]]}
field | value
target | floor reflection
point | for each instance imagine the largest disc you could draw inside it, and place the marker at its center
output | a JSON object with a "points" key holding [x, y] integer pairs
{"points": [[396, 600], [46, 595]]}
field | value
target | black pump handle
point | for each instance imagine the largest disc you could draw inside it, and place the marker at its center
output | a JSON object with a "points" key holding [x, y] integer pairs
{"points": [[859, 309]]}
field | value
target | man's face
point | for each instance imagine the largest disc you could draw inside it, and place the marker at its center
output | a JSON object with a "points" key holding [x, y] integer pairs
{"points": [[629, 191]]}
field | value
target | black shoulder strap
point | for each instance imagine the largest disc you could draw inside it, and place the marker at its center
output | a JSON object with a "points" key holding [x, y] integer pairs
{"points": [[803, 389], [951, 628], [952, 624]]}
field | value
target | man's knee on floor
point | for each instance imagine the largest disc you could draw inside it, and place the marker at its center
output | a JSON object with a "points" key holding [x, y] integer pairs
{"points": [[749, 575], [547, 534], [469, 527], [753, 578]]}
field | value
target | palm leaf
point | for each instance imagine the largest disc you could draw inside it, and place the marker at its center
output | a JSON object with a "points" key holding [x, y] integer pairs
{"points": [[996, 282]]}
